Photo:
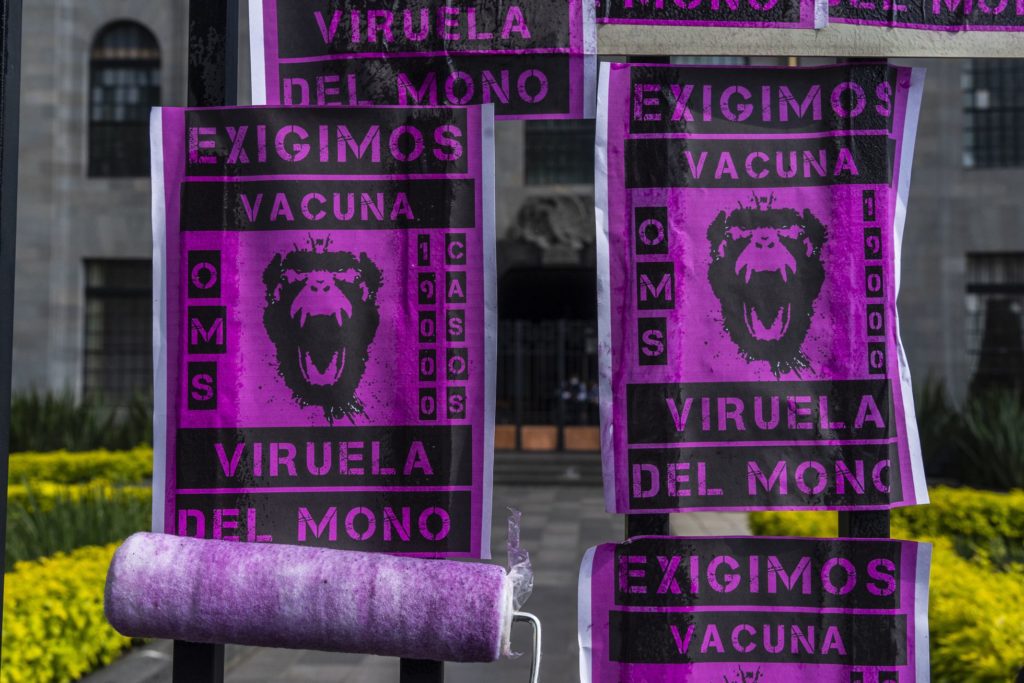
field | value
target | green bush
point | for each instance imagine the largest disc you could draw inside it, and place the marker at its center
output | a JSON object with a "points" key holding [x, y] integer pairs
{"points": [[976, 618], [990, 442], [54, 630], [976, 614], [50, 422], [938, 423], [62, 467], [45, 519], [977, 522], [46, 494]]}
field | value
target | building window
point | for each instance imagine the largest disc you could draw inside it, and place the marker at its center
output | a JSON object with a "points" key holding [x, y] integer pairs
{"points": [[995, 303], [124, 85], [993, 113], [560, 152], [118, 330]]}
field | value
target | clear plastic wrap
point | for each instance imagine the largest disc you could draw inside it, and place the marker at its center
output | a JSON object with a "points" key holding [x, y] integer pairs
{"points": [[520, 570]]}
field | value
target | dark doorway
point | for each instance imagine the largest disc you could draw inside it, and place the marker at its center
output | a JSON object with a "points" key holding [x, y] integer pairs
{"points": [[547, 394]]}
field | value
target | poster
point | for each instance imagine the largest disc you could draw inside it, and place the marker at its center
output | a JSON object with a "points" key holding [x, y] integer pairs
{"points": [[749, 232], [324, 329], [739, 13], [532, 59], [935, 15], [754, 610]]}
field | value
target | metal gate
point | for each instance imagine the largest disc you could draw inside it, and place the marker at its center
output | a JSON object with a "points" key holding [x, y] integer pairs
{"points": [[547, 394]]}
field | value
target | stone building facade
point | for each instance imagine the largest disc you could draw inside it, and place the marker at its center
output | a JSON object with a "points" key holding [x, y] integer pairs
{"points": [[84, 240], [69, 218]]}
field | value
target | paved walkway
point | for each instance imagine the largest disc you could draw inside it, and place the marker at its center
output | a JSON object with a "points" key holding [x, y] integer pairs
{"points": [[559, 524]]}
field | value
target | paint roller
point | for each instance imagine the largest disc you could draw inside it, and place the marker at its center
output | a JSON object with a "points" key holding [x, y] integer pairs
{"points": [[268, 595]]}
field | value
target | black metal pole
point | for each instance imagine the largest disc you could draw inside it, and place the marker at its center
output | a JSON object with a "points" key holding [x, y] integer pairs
{"points": [[871, 524], [647, 525], [198, 663], [10, 101], [422, 671], [212, 82], [212, 53], [561, 340], [520, 384]]}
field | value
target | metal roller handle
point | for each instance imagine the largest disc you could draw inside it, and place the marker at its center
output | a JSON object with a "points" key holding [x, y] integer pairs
{"points": [[527, 618]]}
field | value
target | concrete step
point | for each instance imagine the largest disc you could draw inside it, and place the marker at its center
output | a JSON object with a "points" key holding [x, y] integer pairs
{"points": [[540, 469]]}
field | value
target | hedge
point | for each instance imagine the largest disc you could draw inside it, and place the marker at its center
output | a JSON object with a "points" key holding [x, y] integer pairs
{"points": [[976, 615], [977, 521], [976, 618], [54, 630], [45, 495], [64, 467], [986, 520], [46, 518]]}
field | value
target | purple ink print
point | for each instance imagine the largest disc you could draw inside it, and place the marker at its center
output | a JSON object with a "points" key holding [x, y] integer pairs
{"points": [[753, 610], [806, 14], [533, 59], [749, 231], [931, 15], [324, 326]]}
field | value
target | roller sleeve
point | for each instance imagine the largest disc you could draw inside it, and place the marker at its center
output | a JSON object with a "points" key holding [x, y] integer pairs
{"points": [[268, 595]]}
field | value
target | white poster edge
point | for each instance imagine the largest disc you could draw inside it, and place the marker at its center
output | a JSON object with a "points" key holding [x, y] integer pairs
{"points": [[604, 294], [922, 644], [585, 616], [820, 14], [258, 52], [490, 265], [159, 208], [906, 162]]}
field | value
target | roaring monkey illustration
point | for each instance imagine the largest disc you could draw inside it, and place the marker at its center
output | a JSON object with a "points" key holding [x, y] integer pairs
{"points": [[767, 270], [322, 316]]}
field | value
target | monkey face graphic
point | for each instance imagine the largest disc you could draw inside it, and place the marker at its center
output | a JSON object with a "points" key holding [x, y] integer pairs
{"points": [[766, 270], [321, 315]]}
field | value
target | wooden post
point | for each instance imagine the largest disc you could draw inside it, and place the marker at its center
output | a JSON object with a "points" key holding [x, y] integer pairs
{"points": [[212, 82], [10, 100]]}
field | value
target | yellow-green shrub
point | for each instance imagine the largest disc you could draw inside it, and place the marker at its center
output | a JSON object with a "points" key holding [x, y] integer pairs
{"points": [[810, 524], [968, 514], [45, 495], [976, 610], [54, 630], [47, 518], [63, 467], [976, 618]]}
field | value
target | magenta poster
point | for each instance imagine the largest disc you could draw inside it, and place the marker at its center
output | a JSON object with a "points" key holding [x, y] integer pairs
{"points": [[749, 231], [805, 14], [324, 326], [934, 15], [754, 610], [531, 59]]}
